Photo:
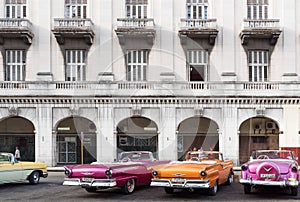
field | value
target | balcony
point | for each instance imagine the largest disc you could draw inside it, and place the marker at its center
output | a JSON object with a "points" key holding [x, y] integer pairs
{"points": [[135, 27], [199, 28], [260, 29], [73, 28], [210, 90], [16, 28]]}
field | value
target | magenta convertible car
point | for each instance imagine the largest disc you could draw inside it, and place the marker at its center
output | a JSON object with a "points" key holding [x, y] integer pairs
{"points": [[133, 169], [271, 168]]}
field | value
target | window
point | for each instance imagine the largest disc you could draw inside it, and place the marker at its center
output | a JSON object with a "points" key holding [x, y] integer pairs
{"points": [[15, 8], [75, 65], [75, 8], [257, 9], [137, 62], [258, 66], [197, 9], [136, 8], [15, 65], [197, 62]]}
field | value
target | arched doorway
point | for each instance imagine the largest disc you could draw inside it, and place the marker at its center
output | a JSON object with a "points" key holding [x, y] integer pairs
{"points": [[18, 131], [76, 141], [257, 133], [197, 132], [137, 134]]}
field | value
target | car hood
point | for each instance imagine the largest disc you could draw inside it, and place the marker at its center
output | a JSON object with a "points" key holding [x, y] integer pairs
{"points": [[185, 168], [284, 165]]}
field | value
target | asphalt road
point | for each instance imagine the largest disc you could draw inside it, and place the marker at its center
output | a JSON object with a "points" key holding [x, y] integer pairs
{"points": [[51, 189]]}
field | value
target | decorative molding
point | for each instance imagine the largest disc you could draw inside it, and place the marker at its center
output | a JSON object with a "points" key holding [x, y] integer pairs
{"points": [[136, 111], [13, 111], [74, 110], [199, 112], [260, 111]]}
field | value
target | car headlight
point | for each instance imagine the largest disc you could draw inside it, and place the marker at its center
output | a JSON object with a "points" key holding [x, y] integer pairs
{"points": [[244, 167], [68, 172], [154, 173], [108, 173], [203, 174], [294, 169]]}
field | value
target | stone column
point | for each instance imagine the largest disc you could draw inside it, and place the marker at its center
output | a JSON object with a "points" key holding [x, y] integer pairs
{"points": [[167, 140], [291, 39], [106, 138], [228, 134], [44, 142]]}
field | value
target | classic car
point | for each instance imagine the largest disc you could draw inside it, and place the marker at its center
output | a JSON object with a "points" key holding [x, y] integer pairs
{"points": [[270, 168], [12, 170], [132, 169], [204, 170]]}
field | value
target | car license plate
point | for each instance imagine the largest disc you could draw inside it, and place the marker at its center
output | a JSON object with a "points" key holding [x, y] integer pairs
{"points": [[178, 180], [87, 179], [267, 175]]}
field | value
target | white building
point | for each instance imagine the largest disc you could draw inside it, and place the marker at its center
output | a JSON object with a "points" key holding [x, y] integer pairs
{"points": [[158, 75]]}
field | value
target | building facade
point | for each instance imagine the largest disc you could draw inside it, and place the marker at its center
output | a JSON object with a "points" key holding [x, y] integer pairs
{"points": [[83, 80]]}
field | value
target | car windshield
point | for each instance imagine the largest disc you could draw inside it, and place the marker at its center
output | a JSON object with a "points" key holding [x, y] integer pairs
{"points": [[272, 155], [5, 158], [206, 155], [135, 156]]}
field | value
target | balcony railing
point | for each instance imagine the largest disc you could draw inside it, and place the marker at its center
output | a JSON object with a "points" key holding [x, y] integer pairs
{"points": [[261, 24], [147, 23], [73, 23], [198, 23], [123, 88], [12, 23]]}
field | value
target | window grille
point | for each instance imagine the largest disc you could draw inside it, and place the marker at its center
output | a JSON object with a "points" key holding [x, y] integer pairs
{"points": [[258, 66], [137, 62], [15, 65], [75, 65]]}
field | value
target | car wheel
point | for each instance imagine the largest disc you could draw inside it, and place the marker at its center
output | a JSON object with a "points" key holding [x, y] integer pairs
{"points": [[169, 190], [230, 179], [129, 186], [247, 189], [91, 189], [213, 191], [34, 178], [294, 191]]}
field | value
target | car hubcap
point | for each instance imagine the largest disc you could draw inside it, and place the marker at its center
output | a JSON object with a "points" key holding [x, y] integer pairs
{"points": [[130, 185]]}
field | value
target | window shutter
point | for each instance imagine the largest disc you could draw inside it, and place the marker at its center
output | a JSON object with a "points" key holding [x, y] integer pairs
{"points": [[79, 11], [145, 11], [266, 12], [7, 11], [84, 12], [24, 12]]}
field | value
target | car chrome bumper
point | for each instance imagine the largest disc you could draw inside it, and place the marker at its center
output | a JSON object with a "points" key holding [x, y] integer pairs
{"points": [[72, 181], [284, 183], [45, 174], [94, 183], [186, 184]]}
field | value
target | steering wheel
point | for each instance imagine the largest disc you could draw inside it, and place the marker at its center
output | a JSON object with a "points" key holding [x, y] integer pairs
{"points": [[194, 158], [262, 157], [126, 159]]}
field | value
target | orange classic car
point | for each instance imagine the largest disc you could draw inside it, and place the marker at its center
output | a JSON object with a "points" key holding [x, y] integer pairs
{"points": [[202, 170]]}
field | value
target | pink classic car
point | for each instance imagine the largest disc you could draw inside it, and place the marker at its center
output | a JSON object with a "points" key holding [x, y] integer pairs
{"points": [[271, 168], [133, 169]]}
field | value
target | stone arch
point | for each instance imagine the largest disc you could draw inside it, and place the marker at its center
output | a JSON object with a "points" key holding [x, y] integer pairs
{"points": [[76, 140], [257, 133], [18, 131], [137, 133], [197, 132]]}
